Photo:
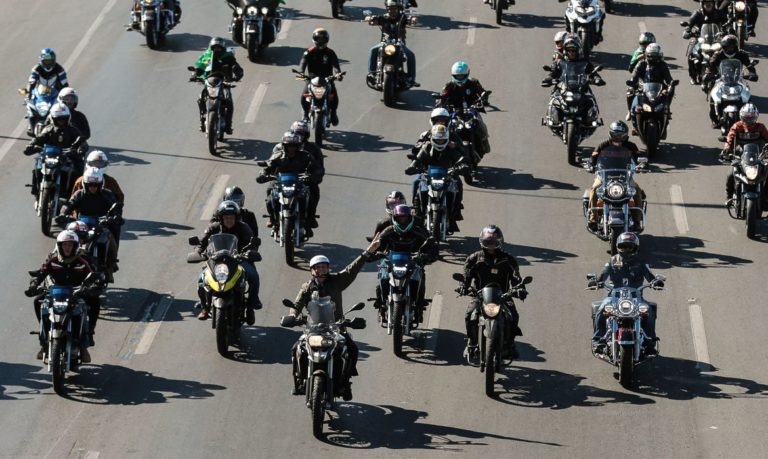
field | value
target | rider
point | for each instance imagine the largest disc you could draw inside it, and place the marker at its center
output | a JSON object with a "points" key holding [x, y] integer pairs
{"points": [[98, 159], [618, 145], [652, 69], [463, 91], [707, 14], [439, 115], [406, 235], [747, 130], [440, 152], [646, 38], [626, 269], [729, 50], [68, 97], [491, 265], [325, 284], [394, 198], [66, 267], [290, 158], [169, 4], [217, 60], [239, 6], [392, 24], [49, 71], [599, 28], [235, 193], [752, 13], [559, 40], [321, 61], [229, 222], [301, 128]]}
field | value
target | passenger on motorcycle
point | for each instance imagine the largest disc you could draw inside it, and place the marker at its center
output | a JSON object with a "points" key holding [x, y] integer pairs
{"points": [[438, 116], [66, 267], [329, 284], [626, 269], [559, 52], [618, 145], [646, 38], [229, 222], [440, 152], [487, 266], [68, 96], [217, 60], [393, 24], [463, 91], [235, 194], [652, 69], [321, 61], [47, 70], [98, 159], [393, 199]]}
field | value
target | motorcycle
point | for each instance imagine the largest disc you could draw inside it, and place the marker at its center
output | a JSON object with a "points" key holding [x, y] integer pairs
{"points": [[704, 43], [652, 113], [390, 76], [616, 210], [749, 200], [292, 197], [225, 285], [498, 6], [321, 355], [738, 12], [492, 326], [403, 312], [729, 93], [572, 111], [584, 18], [317, 96], [217, 92], [437, 193], [153, 19], [52, 176], [337, 7], [63, 328], [249, 25], [97, 242], [39, 103], [624, 308]]}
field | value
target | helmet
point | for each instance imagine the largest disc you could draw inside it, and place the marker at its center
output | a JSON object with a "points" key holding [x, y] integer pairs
{"points": [[301, 128], [392, 4], [228, 208], [491, 237], [572, 43], [711, 3], [439, 114], [393, 199], [440, 137], [653, 53], [97, 159], [290, 139], [67, 236], [47, 59], [93, 176], [646, 38], [628, 243], [68, 97], [234, 193], [80, 228], [402, 219], [320, 37], [460, 72], [318, 259], [60, 115], [618, 131], [749, 114], [560, 39], [217, 41], [730, 45]]}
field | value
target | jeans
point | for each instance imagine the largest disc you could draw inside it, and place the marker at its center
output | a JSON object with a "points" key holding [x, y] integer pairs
{"points": [[373, 56]]}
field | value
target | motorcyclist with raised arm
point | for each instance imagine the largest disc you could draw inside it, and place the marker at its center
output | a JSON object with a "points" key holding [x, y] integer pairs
{"points": [[626, 269], [217, 60], [491, 265], [230, 222], [49, 71], [651, 69], [321, 61], [393, 24], [463, 91], [329, 284]]}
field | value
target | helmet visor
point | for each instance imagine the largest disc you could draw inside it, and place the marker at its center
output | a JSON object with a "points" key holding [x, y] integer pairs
{"points": [[98, 163]]}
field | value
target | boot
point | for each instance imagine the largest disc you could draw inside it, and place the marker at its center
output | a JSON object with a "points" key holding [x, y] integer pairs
{"points": [[346, 393], [40, 353], [85, 356], [334, 118], [204, 315], [250, 317]]}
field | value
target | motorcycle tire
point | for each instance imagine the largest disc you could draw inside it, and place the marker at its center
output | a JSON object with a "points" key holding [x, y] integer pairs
{"points": [[397, 329], [388, 86], [571, 142], [288, 243], [212, 131], [254, 51], [435, 226], [750, 217], [237, 35], [317, 405], [490, 368], [739, 32], [58, 365], [220, 318], [46, 211], [319, 131], [651, 139], [614, 236], [500, 5], [626, 366], [335, 8], [151, 35]]}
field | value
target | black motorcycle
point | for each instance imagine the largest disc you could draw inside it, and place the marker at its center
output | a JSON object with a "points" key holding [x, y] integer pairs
{"points": [[321, 355], [317, 96], [97, 242], [437, 196], [704, 43], [498, 6], [52, 177], [153, 20], [253, 27], [572, 112], [729, 93], [390, 77], [749, 200], [652, 113], [215, 96], [399, 297], [738, 24]]}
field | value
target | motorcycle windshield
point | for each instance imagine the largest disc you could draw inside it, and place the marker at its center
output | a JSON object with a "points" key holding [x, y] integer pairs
{"points": [[438, 173], [751, 155], [399, 258], [222, 243], [92, 222], [288, 179], [574, 74], [608, 162], [321, 311], [492, 294], [710, 32], [50, 150], [652, 90], [60, 292], [730, 71]]}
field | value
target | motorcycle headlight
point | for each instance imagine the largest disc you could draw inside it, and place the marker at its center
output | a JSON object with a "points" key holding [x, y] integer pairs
{"points": [[288, 191], [390, 50], [643, 308], [264, 10], [213, 92], [221, 272], [751, 172], [615, 190], [491, 309], [60, 307], [239, 11], [399, 271], [252, 11], [733, 90], [52, 161], [318, 91], [740, 6], [319, 341], [608, 309], [647, 108], [438, 184], [625, 306]]}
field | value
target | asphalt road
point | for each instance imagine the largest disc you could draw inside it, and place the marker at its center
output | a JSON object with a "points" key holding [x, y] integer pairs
{"points": [[157, 387]]}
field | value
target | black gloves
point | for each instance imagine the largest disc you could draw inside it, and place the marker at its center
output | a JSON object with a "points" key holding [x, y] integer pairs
{"points": [[520, 293], [29, 150], [262, 179], [411, 170], [32, 289], [463, 290], [592, 284], [61, 220], [287, 321]]}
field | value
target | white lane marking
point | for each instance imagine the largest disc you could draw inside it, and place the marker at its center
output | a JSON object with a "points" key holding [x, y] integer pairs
{"points": [[136, 335], [215, 197], [258, 97], [471, 31], [435, 311], [85, 454], [286, 25], [678, 209], [153, 326], [699, 336], [642, 27], [8, 144]]}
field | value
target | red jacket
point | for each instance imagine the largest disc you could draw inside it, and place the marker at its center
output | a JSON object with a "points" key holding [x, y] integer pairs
{"points": [[741, 131]]}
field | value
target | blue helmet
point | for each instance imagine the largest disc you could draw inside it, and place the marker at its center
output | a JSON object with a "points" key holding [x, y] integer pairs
{"points": [[460, 72], [47, 58]]}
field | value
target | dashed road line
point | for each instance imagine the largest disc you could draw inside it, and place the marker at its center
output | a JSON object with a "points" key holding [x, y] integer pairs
{"points": [[286, 25], [471, 31], [435, 311], [258, 98], [141, 335], [678, 209], [215, 197], [699, 336], [152, 327], [641, 25]]}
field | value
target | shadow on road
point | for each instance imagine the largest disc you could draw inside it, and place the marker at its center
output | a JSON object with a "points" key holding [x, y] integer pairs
{"points": [[350, 141], [681, 251], [623, 8], [461, 247], [611, 61], [182, 42], [266, 345], [683, 156], [499, 178], [135, 229], [368, 426], [244, 149], [432, 22], [531, 21], [282, 56], [130, 305], [31, 379], [441, 347]]}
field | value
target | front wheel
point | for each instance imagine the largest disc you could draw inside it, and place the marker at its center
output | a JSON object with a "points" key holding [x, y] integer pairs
{"points": [[319, 130], [397, 329], [740, 33], [150, 33], [571, 142], [626, 366], [317, 404], [435, 227], [651, 138], [46, 210], [750, 212], [500, 5], [288, 242], [58, 365], [490, 368], [221, 331], [212, 131], [335, 8], [614, 236], [389, 89], [253, 48]]}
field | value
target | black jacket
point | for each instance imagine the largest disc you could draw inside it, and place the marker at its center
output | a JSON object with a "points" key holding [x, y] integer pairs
{"points": [[247, 217], [241, 230], [90, 204], [628, 272], [301, 163], [69, 272], [719, 56], [482, 269], [699, 18], [557, 68], [80, 122], [451, 157], [392, 26], [417, 241], [320, 62], [651, 73], [65, 137], [314, 151], [454, 95], [628, 151]]}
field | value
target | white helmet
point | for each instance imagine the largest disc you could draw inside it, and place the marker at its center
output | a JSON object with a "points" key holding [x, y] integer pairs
{"points": [[318, 259], [93, 175], [439, 113], [97, 159], [59, 111], [68, 97], [440, 137], [67, 236]]}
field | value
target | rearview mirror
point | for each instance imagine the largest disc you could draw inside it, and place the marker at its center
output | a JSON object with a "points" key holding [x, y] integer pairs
{"points": [[458, 277], [547, 68], [357, 307], [410, 156], [191, 68], [684, 23], [591, 276], [194, 240], [194, 257], [358, 323], [288, 303], [597, 69], [754, 62], [527, 280], [675, 83], [369, 238], [261, 163], [435, 95]]}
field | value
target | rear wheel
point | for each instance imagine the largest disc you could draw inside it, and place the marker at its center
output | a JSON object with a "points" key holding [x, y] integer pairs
{"points": [[58, 365], [389, 89], [335, 8], [626, 366], [46, 211], [150, 33], [571, 142], [317, 404], [397, 329], [500, 4], [212, 131], [750, 212], [651, 138], [221, 331]]}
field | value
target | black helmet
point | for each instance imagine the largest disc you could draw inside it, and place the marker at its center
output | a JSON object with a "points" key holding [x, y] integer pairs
{"points": [[628, 243], [618, 131], [228, 208], [320, 37], [730, 45], [491, 237], [646, 38], [234, 193], [704, 2], [217, 42], [393, 199]]}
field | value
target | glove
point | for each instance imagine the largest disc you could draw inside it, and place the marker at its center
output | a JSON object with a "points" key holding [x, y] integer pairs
{"points": [[305, 179], [32, 289], [463, 290], [193, 78], [411, 171], [687, 34], [262, 179], [592, 284], [29, 150], [521, 294], [61, 220], [287, 321]]}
